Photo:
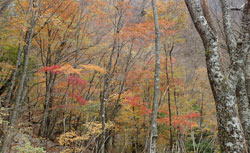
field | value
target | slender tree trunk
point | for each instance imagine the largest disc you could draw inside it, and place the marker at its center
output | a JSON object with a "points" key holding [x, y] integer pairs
{"points": [[154, 130], [20, 93], [169, 100], [201, 110], [172, 78], [13, 80], [104, 97], [48, 103]]}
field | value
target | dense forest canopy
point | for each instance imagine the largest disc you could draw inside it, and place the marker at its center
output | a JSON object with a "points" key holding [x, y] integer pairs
{"points": [[124, 76]]}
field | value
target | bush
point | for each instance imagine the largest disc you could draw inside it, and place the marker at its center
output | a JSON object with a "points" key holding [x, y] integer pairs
{"points": [[28, 148]]}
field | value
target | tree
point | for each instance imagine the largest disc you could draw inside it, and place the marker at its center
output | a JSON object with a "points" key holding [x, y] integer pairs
{"points": [[228, 89], [23, 80], [153, 131]]}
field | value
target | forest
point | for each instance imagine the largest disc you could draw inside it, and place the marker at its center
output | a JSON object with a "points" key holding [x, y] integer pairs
{"points": [[124, 76]]}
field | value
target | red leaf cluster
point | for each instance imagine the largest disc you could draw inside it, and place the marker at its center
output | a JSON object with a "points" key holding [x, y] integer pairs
{"points": [[135, 102], [76, 81], [79, 99], [52, 69], [182, 121]]}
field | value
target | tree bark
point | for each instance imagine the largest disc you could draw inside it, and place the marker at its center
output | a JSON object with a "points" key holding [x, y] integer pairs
{"points": [[245, 78], [154, 130]]}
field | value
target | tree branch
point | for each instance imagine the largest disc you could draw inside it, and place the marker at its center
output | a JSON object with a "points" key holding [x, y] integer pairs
{"points": [[227, 23], [238, 8]]}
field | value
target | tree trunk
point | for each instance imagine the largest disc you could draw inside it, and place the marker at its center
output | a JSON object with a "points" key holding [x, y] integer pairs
{"points": [[50, 79], [154, 131], [104, 97], [245, 78], [14, 77], [230, 133], [169, 98]]}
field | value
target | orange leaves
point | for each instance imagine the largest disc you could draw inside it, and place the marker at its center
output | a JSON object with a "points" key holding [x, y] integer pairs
{"points": [[191, 115], [145, 30], [67, 69], [24, 5], [138, 31], [181, 122], [96, 7], [52, 69], [62, 8], [79, 99], [166, 27], [123, 5], [93, 68], [135, 102], [76, 81], [72, 84]]}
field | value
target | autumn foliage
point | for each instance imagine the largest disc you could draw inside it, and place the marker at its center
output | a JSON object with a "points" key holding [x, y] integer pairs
{"points": [[89, 56]]}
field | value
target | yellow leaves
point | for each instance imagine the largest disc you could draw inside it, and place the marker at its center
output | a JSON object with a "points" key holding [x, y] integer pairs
{"points": [[74, 150], [68, 69], [93, 68], [5, 70], [71, 137], [95, 128], [6, 66], [24, 4]]}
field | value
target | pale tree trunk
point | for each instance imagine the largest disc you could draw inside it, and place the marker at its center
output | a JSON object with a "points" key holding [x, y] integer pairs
{"points": [[230, 133], [104, 96], [153, 130], [238, 51], [20, 93]]}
